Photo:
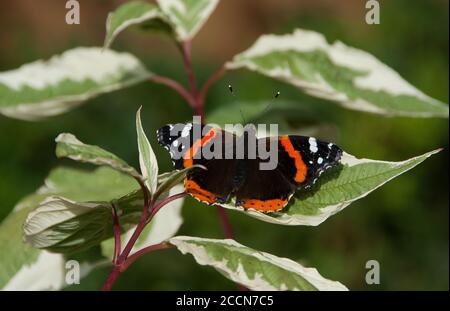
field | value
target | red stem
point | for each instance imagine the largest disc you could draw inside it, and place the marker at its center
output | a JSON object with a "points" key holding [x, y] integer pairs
{"points": [[196, 100], [186, 48], [199, 109], [177, 87], [225, 222], [145, 250], [204, 90], [116, 227], [122, 261], [166, 201]]}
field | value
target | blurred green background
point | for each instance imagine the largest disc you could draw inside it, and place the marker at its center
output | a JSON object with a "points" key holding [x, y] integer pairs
{"points": [[404, 225]]}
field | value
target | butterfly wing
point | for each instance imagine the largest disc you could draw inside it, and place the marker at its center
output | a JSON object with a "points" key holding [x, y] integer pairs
{"points": [[301, 160], [299, 163], [213, 185]]}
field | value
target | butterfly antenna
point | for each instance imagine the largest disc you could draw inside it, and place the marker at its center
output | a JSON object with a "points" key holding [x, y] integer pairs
{"points": [[277, 94], [230, 87]]}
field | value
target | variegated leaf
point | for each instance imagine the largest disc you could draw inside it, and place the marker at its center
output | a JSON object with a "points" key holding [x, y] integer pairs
{"points": [[336, 189], [147, 158], [46, 88], [135, 13], [68, 146], [351, 77], [254, 269], [23, 267], [187, 16]]}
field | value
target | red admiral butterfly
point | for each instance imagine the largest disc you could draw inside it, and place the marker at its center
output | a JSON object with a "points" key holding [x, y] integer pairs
{"points": [[300, 162]]}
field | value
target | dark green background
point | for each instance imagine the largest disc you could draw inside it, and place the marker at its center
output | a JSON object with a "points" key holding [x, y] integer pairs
{"points": [[403, 225]]}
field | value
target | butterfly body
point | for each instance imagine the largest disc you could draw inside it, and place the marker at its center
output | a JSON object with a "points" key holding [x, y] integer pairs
{"points": [[240, 165]]}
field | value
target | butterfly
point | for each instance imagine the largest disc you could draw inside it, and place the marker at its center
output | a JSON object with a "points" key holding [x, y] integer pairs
{"points": [[239, 167]]}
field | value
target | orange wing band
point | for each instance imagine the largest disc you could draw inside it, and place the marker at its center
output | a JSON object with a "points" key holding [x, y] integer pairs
{"points": [[265, 205], [197, 192], [196, 146], [300, 174]]}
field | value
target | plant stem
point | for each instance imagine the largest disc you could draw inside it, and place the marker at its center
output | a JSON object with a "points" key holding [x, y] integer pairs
{"points": [[199, 109], [177, 87], [225, 222], [112, 277], [116, 228], [145, 250], [186, 48], [123, 261], [195, 99], [205, 88], [166, 201]]}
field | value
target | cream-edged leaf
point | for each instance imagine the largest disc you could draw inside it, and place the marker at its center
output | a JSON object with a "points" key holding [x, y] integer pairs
{"points": [[187, 16], [336, 189], [68, 146], [135, 13], [61, 225], [351, 77], [23, 267], [254, 269], [147, 158], [47, 88]]}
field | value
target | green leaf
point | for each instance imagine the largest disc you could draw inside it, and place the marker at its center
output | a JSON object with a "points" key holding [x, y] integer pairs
{"points": [[163, 226], [336, 189], [350, 77], [24, 267], [68, 146], [187, 16], [135, 13], [47, 88], [147, 158], [254, 269]]}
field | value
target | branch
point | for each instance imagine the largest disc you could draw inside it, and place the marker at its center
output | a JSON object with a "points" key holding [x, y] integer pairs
{"points": [[211, 80], [165, 201], [116, 228], [186, 48], [177, 87], [225, 222], [145, 250], [115, 271]]}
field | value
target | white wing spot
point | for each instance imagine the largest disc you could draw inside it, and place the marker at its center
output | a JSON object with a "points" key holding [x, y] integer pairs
{"points": [[313, 145], [175, 143], [186, 130], [319, 160]]}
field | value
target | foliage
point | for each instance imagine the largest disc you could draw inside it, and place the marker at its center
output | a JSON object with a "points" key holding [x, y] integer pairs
{"points": [[78, 210]]}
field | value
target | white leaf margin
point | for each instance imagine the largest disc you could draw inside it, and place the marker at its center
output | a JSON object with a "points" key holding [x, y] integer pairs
{"points": [[311, 275], [179, 5], [380, 77], [77, 64], [147, 157], [325, 213], [48, 272], [152, 13]]}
